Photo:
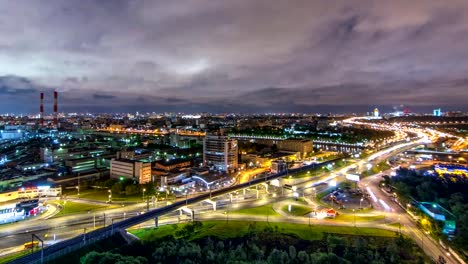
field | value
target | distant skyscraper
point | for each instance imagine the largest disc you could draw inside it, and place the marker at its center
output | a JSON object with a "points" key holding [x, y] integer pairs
{"points": [[220, 151], [376, 112], [437, 112]]}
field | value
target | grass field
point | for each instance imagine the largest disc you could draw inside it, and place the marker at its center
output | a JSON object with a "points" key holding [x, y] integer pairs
{"points": [[103, 196], [296, 210], [359, 218], [259, 210], [16, 255], [232, 229], [73, 207]]}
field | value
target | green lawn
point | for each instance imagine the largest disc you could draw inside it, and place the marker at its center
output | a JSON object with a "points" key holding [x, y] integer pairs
{"points": [[259, 210], [73, 207], [13, 256], [103, 196], [296, 210], [233, 229], [396, 224], [350, 218]]}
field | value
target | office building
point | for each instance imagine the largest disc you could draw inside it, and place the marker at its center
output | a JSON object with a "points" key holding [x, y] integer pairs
{"points": [[131, 169], [220, 152]]}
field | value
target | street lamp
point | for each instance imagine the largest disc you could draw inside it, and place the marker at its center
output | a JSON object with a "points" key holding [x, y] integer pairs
{"points": [[144, 190], [399, 224], [78, 188], [354, 212], [360, 203], [110, 195]]}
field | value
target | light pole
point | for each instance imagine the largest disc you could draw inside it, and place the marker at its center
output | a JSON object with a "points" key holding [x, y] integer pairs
{"points": [[110, 195], [399, 224], [144, 190], [78, 188], [354, 212], [360, 203]]}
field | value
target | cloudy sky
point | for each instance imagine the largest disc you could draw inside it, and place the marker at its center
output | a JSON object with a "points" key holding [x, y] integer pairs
{"points": [[233, 56]]}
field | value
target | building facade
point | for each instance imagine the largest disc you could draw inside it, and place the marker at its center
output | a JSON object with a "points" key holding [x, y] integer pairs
{"points": [[130, 169], [220, 152], [303, 146]]}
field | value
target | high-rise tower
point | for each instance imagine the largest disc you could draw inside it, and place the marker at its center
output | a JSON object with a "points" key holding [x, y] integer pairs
{"points": [[55, 109]]}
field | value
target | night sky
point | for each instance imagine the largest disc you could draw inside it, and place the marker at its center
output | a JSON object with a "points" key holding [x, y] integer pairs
{"points": [[233, 56]]}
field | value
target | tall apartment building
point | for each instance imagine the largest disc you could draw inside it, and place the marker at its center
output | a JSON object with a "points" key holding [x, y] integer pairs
{"points": [[131, 169], [221, 152]]}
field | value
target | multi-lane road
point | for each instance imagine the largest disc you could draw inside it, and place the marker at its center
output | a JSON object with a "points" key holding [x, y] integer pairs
{"points": [[77, 224]]}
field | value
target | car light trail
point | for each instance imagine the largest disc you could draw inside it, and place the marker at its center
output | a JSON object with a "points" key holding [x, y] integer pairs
{"points": [[371, 194]]}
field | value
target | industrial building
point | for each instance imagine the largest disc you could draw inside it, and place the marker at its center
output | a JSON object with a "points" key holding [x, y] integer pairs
{"points": [[131, 169], [303, 146]]}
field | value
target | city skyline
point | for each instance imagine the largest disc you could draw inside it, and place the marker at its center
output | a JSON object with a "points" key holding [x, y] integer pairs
{"points": [[234, 56]]}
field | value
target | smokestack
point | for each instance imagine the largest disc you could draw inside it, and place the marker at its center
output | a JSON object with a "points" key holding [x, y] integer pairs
{"points": [[41, 110], [55, 109]]}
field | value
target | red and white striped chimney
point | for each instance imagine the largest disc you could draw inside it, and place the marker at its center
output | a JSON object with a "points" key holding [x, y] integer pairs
{"points": [[41, 110], [55, 109]]}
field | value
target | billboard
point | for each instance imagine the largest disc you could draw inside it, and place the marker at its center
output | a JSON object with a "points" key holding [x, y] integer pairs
{"points": [[353, 177]]}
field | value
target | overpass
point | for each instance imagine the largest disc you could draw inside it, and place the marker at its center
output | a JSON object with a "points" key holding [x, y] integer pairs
{"points": [[187, 133], [56, 250], [325, 145]]}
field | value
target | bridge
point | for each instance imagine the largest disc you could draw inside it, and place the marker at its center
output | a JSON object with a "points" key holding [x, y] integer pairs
{"points": [[56, 250], [320, 144], [180, 132]]}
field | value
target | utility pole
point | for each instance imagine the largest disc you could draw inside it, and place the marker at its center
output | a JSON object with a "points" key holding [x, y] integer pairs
{"points": [[42, 246], [147, 203]]}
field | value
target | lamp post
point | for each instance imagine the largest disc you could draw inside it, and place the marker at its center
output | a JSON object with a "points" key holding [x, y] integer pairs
{"points": [[144, 190], [110, 195], [399, 224], [360, 203], [354, 212], [78, 188]]}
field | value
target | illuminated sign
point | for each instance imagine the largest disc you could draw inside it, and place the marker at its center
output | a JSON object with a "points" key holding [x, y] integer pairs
{"points": [[353, 177]]}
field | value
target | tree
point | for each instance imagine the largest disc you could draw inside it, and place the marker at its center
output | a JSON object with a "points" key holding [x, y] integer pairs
{"points": [[292, 252], [132, 189], [303, 257], [117, 188], [94, 257]]}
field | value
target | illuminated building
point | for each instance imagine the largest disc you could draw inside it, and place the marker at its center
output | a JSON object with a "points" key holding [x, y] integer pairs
{"points": [[437, 112], [303, 146], [130, 169], [220, 152], [376, 112]]}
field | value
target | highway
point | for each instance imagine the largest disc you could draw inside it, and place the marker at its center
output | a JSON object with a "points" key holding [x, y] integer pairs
{"points": [[150, 215]]}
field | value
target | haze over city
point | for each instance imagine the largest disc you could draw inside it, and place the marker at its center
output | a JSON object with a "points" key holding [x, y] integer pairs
{"points": [[234, 56]]}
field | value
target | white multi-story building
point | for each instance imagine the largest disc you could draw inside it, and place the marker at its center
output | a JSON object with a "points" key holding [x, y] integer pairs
{"points": [[221, 152], [131, 169]]}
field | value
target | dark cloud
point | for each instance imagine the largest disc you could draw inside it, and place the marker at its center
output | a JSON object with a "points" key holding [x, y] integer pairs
{"points": [[220, 55], [14, 85], [103, 96]]}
